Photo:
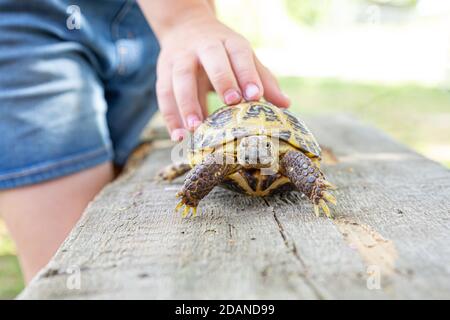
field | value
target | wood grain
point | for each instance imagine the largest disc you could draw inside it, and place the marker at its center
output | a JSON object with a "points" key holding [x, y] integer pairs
{"points": [[392, 225]]}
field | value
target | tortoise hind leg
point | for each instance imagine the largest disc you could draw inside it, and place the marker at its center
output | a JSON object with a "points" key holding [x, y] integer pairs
{"points": [[200, 181], [173, 171], [308, 178]]}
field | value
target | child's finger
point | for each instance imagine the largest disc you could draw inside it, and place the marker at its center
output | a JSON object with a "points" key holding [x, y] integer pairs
{"points": [[185, 90], [272, 91], [214, 60], [202, 91], [241, 58], [166, 102]]}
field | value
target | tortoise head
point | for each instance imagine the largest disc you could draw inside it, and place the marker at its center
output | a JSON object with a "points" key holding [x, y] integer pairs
{"points": [[256, 152]]}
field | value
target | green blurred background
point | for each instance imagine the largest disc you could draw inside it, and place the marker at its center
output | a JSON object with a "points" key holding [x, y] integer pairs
{"points": [[384, 62]]}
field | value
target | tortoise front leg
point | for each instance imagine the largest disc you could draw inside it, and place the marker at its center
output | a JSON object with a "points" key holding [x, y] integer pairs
{"points": [[308, 178], [200, 181]]}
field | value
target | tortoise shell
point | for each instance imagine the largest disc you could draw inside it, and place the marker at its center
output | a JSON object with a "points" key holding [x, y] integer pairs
{"points": [[252, 118]]}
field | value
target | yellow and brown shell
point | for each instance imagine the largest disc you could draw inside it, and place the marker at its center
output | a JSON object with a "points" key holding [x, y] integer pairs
{"points": [[229, 124], [252, 118]]}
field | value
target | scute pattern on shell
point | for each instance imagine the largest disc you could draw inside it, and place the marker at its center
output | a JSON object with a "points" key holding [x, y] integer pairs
{"points": [[253, 118], [255, 110], [221, 117]]}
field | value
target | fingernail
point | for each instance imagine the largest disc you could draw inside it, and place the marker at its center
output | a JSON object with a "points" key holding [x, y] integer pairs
{"points": [[287, 99], [251, 91], [177, 135], [193, 121], [232, 96]]}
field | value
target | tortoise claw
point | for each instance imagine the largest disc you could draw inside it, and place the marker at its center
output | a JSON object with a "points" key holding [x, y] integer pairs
{"points": [[316, 210], [322, 205], [329, 185], [325, 197], [329, 197], [186, 210], [325, 208]]}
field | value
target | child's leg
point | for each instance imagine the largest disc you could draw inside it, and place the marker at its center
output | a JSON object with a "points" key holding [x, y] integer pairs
{"points": [[40, 216], [72, 103]]}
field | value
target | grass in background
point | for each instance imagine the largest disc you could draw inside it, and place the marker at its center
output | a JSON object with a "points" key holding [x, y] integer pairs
{"points": [[414, 115], [11, 282]]}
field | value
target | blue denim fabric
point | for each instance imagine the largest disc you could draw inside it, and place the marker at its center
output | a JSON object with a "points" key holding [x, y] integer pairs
{"points": [[76, 89]]}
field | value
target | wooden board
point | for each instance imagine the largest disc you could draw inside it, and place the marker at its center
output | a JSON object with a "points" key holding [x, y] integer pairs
{"points": [[390, 238]]}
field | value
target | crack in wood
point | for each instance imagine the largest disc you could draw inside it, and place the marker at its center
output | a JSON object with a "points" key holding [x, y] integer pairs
{"points": [[230, 231], [292, 248]]}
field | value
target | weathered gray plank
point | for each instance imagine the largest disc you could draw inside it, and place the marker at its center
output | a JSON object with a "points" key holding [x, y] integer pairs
{"points": [[393, 216]]}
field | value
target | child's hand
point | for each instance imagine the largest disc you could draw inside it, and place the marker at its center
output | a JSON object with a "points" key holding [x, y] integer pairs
{"points": [[198, 51]]}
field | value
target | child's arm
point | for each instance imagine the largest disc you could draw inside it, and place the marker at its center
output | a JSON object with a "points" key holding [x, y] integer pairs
{"points": [[196, 47]]}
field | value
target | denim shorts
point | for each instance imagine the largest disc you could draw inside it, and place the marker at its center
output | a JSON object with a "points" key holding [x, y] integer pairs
{"points": [[77, 86]]}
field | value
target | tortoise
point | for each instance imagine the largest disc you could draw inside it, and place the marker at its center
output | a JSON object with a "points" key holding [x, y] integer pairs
{"points": [[253, 148]]}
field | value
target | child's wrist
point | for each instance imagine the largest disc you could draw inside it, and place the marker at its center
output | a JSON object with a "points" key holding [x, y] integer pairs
{"points": [[184, 13]]}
